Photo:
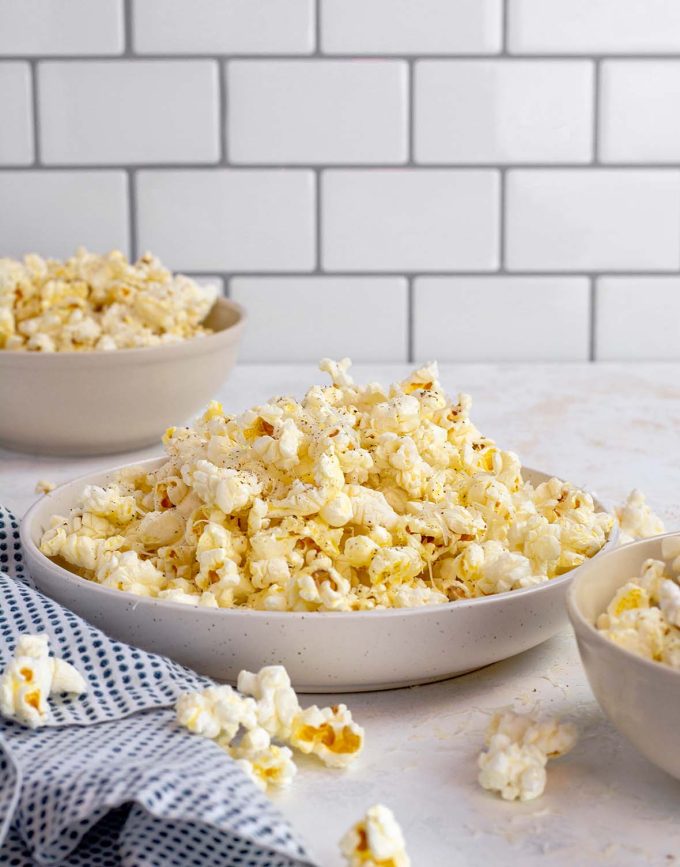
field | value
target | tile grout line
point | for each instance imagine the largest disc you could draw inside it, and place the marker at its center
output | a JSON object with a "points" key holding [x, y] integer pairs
{"points": [[223, 111], [128, 49], [505, 29], [132, 213], [502, 219], [317, 29], [35, 104], [410, 323], [597, 96], [317, 223], [311, 57], [410, 115], [358, 167]]}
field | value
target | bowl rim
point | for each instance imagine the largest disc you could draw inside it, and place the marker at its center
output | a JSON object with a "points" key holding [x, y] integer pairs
{"points": [[444, 607], [133, 353], [581, 624]]}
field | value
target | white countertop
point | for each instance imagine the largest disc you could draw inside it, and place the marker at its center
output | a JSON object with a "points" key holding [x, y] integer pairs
{"points": [[607, 427]]}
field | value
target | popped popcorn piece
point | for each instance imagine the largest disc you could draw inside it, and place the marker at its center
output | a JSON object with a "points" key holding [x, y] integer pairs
{"points": [[518, 749], [31, 677], [216, 712], [353, 498], [636, 519], [375, 841], [102, 303], [272, 767], [43, 486], [329, 733], [277, 704], [644, 614]]}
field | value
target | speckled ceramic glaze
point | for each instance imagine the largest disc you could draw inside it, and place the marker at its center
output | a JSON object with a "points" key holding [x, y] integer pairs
{"points": [[323, 651], [641, 697], [86, 403]]}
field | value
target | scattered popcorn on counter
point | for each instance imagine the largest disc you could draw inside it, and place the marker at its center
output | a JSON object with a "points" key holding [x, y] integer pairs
{"points": [[644, 614], [31, 677], [355, 498], [44, 487], [518, 749], [92, 302], [375, 841], [636, 519], [270, 712]]}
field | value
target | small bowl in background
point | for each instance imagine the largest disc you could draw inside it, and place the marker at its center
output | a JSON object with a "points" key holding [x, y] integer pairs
{"points": [[641, 697], [89, 403]]}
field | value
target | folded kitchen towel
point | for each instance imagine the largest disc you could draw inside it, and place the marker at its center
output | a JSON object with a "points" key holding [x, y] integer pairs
{"points": [[112, 779]]}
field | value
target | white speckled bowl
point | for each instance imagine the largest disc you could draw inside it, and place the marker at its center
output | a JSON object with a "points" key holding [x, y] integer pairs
{"points": [[641, 697], [88, 403], [323, 651]]}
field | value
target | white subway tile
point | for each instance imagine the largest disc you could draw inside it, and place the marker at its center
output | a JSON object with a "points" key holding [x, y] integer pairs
{"points": [[50, 27], [236, 26], [235, 220], [483, 111], [502, 318], [639, 111], [308, 318], [16, 129], [129, 111], [304, 111], [410, 219], [411, 26], [593, 219], [594, 26], [638, 318], [54, 212]]}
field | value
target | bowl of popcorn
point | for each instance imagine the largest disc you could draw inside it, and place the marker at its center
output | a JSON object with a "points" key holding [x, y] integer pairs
{"points": [[625, 609], [364, 536], [98, 354]]}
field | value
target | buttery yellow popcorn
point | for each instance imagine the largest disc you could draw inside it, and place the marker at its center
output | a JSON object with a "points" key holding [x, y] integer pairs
{"points": [[92, 302], [264, 710], [31, 677], [375, 841], [517, 750], [644, 614], [353, 498], [636, 519], [43, 486]]}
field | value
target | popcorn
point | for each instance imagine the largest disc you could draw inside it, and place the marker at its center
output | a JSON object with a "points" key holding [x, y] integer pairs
{"points": [[247, 726], [43, 486], [518, 749], [331, 734], [354, 498], [375, 841], [100, 303], [636, 519], [644, 614], [31, 677]]}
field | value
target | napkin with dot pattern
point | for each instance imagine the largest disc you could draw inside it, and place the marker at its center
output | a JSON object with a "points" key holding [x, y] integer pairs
{"points": [[112, 781]]}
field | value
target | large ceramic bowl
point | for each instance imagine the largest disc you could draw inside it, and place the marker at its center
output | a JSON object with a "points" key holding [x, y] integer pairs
{"points": [[641, 697], [87, 403], [323, 651]]}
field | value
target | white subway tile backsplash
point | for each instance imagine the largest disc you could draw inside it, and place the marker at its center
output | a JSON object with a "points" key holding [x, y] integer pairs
{"points": [[308, 318], [410, 219], [484, 111], [53, 213], [594, 26], [37, 27], [502, 318], [640, 121], [235, 220], [229, 26], [593, 219], [411, 26], [638, 318], [129, 111], [321, 111], [16, 129]]}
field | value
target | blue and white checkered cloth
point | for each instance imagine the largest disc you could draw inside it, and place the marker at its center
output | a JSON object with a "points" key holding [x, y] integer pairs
{"points": [[112, 780]]}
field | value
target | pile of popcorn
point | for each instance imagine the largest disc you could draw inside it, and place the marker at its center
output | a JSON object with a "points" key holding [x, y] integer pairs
{"points": [[518, 749], [644, 615], [356, 497], [92, 302], [31, 677], [258, 724]]}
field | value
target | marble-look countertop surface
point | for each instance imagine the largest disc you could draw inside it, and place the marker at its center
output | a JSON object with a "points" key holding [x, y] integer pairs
{"points": [[607, 427]]}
